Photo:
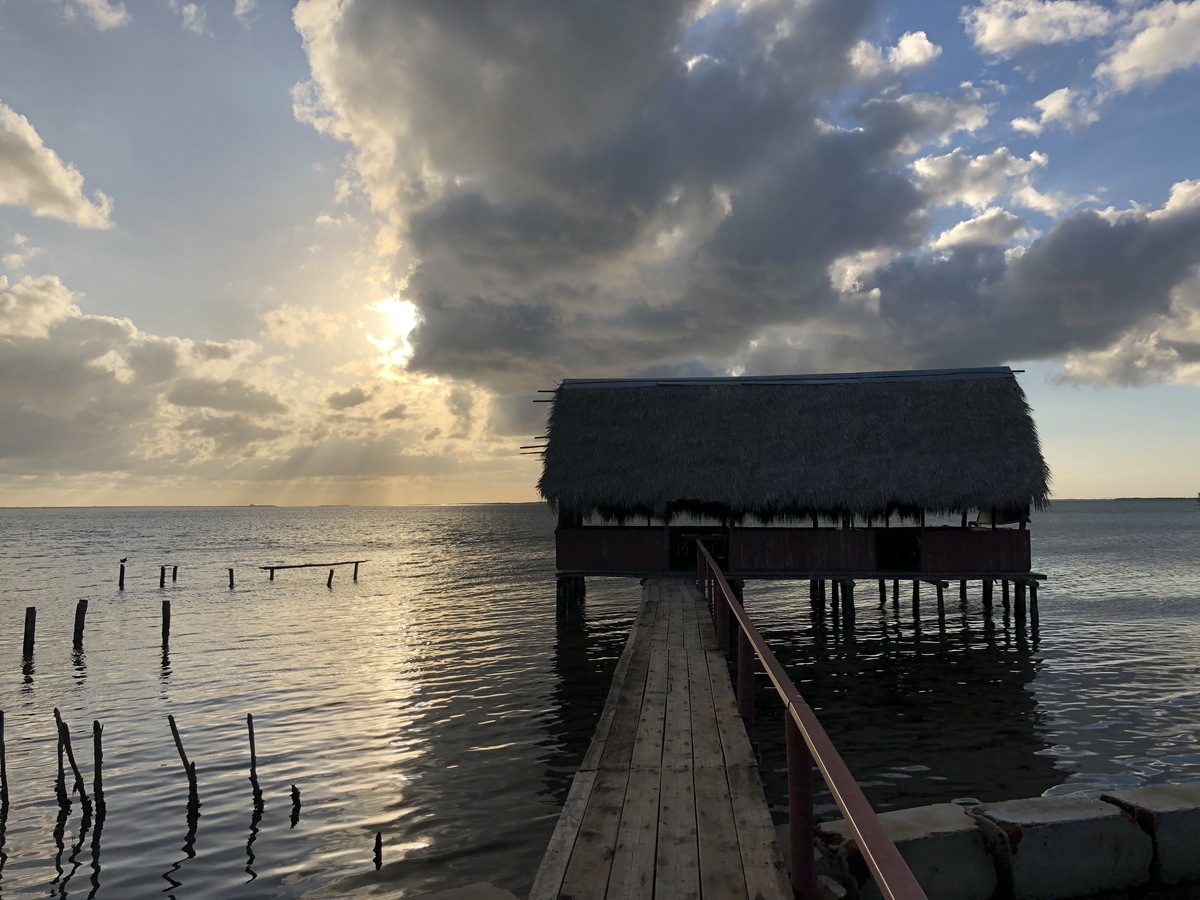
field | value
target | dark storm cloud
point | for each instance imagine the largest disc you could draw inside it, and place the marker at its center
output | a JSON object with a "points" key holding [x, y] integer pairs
{"points": [[348, 399], [609, 188], [1084, 285]]}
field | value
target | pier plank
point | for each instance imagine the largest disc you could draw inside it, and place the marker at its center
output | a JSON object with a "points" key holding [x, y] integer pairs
{"points": [[632, 875], [677, 866], [668, 803]]}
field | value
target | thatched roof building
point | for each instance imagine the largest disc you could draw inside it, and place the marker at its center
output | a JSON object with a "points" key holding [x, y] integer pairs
{"points": [[868, 444]]}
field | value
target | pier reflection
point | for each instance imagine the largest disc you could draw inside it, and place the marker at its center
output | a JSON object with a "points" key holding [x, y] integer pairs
{"points": [[924, 708], [588, 644]]}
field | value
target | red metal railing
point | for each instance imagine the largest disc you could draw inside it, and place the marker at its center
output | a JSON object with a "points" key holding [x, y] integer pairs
{"points": [[807, 743]]}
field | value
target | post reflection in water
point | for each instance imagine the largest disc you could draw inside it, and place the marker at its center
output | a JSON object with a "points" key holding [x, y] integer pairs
{"points": [[921, 715]]}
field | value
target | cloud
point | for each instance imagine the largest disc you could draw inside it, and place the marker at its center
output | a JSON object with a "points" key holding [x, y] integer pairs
{"points": [[232, 395], [32, 306], [993, 227], [102, 13], [1002, 27], [395, 413], [912, 51], [1158, 41], [294, 325], [193, 16], [244, 11], [34, 177], [21, 254], [1061, 107], [355, 396], [958, 177]]}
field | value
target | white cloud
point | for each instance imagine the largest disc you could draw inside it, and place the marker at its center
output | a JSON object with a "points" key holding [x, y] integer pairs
{"points": [[34, 177], [102, 13], [1160, 40], [244, 11], [913, 50], [1061, 107], [958, 177], [193, 16], [1000, 27], [994, 227], [294, 325], [20, 255], [32, 306]]}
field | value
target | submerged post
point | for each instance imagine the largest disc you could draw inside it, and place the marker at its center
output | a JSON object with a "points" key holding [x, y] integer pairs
{"points": [[30, 628], [162, 576], [329, 581], [121, 578], [174, 574], [356, 572], [80, 615], [166, 624], [231, 579], [98, 777]]}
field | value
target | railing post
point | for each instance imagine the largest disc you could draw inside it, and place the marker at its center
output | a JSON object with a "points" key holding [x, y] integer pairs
{"points": [[800, 811], [721, 615], [745, 680]]}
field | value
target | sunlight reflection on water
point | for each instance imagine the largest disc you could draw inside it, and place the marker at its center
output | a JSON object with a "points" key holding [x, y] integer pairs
{"points": [[438, 700]]}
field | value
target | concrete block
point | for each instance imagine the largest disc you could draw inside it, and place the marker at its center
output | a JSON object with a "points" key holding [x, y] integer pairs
{"points": [[1059, 847], [1170, 814], [941, 844]]}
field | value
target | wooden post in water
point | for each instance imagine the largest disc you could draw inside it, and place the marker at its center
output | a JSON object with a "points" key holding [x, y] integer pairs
{"points": [[1004, 593], [835, 598], [987, 595], [188, 767], [896, 594], [882, 592], [166, 624], [378, 850], [174, 574], [295, 806], [231, 579], [65, 738], [848, 610], [1020, 610], [121, 578], [329, 581], [916, 600], [356, 572], [98, 777], [1033, 606], [941, 604], [30, 628], [162, 576], [962, 590], [3, 769], [80, 615]]}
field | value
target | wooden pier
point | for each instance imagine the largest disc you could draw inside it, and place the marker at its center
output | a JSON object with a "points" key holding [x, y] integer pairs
{"points": [[667, 802]]}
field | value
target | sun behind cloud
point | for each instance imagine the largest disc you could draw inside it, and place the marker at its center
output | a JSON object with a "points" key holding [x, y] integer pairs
{"points": [[401, 318]]}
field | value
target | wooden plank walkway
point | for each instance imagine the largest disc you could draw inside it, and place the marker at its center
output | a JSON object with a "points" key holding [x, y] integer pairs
{"points": [[668, 802]]}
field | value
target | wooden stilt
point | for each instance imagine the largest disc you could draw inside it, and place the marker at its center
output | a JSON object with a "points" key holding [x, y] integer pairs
{"points": [[121, 578], [30, 629], [848, 609], [329, 580], [272, 570], [356, 572], [941, 605], [162, 576], [916, 599], [988, 586], [166, 624], [896, 593], [98, 774], [80, 618], [1004, 593], [231, 579], [1033, 605], [882, 592], [1020, 603], [962, 590], [174, 574]]}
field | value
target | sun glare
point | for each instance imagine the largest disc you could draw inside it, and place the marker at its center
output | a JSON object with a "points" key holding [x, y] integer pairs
{"points": [[401, 318]]}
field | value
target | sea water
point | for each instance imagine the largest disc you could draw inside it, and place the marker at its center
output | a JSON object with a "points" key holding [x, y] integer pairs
{"points": [[440, 703]]}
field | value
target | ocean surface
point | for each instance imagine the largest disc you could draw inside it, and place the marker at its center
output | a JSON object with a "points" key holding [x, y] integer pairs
{"points": [[440, 704]]}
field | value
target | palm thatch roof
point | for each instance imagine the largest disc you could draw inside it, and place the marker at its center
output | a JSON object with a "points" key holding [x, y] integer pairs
{"points": [[869, 444]]}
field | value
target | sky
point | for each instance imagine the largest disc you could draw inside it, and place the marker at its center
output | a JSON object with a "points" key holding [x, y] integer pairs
{"points": [[329, 251]]}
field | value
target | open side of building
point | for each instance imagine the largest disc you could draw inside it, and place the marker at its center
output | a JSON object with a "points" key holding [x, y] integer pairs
{"points": [[805, 476]]}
